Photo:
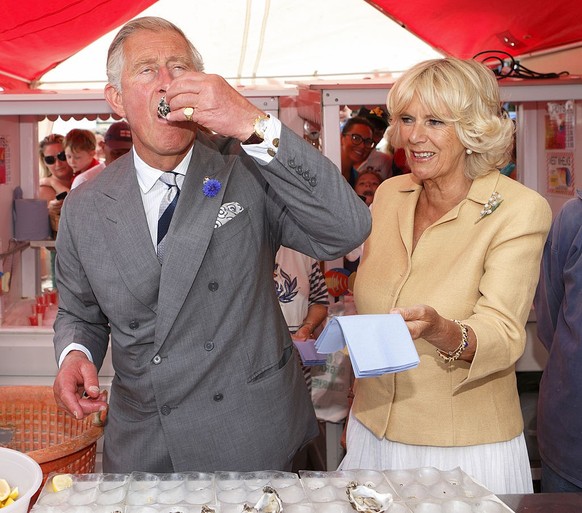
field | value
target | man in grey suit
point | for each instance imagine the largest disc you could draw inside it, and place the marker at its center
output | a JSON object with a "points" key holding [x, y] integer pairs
{"points": [[205, 375]]}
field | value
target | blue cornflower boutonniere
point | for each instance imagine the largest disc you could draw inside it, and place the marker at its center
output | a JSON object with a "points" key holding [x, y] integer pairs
{"points": [[492, 203], [210, 187]]}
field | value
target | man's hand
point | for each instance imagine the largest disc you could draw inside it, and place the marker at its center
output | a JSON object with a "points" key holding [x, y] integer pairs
{"points": [[76, 387], [217, 105]]}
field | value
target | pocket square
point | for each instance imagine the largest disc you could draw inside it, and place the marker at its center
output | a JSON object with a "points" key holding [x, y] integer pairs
{"points": [[227, 212]]}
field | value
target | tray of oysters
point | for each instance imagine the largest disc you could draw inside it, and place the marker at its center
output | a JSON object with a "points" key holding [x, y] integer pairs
{"points": [[423, 490]]}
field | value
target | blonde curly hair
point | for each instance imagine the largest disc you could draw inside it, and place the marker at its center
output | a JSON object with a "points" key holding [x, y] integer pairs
{"points": [[465, 94]]}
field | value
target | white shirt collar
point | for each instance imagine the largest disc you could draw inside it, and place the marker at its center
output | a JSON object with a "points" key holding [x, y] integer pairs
{"points": [[147, 175]]}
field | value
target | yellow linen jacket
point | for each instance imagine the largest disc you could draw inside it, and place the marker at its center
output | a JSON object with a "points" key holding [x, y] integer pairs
{"points": [[483, 273]]}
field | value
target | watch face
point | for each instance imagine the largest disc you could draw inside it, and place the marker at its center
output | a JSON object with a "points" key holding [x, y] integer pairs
{"points": [[261, 126]]}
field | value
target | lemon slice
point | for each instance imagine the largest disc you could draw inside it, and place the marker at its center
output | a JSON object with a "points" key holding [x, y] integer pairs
{"points": [[4, 490], [62, 482], [7, 502]]}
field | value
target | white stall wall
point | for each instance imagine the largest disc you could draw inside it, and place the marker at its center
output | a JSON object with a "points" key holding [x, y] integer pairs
{"points": [[9, 262]]}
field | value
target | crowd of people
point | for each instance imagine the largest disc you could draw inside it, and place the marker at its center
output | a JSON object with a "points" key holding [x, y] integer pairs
{"points": [[206, 376], [67, 161]]}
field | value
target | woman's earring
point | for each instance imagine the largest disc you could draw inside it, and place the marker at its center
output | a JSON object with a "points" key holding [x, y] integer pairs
{"points": [[468, 151]]}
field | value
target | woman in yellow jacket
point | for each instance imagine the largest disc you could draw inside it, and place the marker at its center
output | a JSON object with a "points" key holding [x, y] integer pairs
{"points": [[455, 249]]}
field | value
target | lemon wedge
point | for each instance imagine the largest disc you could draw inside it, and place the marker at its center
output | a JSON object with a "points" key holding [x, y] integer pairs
{"points": [[62, 482], [14, 493], [7, 502], [4, 490]]}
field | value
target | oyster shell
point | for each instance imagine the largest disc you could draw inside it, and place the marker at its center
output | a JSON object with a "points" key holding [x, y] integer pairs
{"points": [[365, 499], [270, 502], [163, 107]]}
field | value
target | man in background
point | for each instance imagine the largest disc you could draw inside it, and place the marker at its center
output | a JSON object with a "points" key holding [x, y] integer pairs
{"points": [[117, 141], [558, 306]]}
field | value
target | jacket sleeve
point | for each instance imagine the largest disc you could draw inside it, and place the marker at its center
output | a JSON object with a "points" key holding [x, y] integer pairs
{"points": [[79, 318], [318, 214], [559, 291], [507, 287]]}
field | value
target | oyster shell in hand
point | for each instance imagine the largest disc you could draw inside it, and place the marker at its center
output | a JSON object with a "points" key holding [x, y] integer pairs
{"points": [[163, 108], [270, 502], [367, 500]]}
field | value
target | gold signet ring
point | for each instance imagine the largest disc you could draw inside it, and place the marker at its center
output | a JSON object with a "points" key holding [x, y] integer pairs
{"points": [[188, 112]]}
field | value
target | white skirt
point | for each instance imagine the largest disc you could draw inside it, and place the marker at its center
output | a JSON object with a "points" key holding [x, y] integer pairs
{"points": [[501, 467]]}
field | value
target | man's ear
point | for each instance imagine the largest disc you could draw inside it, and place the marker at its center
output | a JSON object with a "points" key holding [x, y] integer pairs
{"points": [[114, 99]]}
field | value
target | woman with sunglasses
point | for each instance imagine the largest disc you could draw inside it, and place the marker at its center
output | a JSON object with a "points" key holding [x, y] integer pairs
{"points": [[356, 144], [57, 176]]}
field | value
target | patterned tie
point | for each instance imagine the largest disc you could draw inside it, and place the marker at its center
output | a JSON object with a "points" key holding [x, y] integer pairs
{"points": [[167, 207]]}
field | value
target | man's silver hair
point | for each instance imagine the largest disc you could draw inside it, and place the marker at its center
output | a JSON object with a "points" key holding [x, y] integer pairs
{"points": [[116, 57]]}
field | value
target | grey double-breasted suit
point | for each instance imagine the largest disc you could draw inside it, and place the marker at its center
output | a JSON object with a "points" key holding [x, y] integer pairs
{"points": [[205, 375]]}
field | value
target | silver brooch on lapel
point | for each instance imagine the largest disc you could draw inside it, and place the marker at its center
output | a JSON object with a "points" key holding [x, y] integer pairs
{"points": [[492, 203]]}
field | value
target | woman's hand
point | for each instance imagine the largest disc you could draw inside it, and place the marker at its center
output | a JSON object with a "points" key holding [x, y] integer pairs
{"points": [[424, 321], [421, 320], [54, 211], [304, 332]]}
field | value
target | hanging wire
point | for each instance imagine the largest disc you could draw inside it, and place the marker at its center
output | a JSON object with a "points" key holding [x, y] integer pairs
{"points": [[245, 39], [504, 65], [262, 37]]}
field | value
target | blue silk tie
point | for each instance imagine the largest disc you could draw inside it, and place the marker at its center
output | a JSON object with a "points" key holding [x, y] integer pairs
{"points": [[167, 207]]}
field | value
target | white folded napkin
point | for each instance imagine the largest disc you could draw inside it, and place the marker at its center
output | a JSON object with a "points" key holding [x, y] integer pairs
{"points": [[377, 344]]}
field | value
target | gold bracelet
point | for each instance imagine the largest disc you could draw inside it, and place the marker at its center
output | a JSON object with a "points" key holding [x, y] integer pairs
{"points": [[451, 356]]}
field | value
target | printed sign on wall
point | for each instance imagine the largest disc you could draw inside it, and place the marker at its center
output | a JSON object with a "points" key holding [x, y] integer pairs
{"points": [[560, 172]]}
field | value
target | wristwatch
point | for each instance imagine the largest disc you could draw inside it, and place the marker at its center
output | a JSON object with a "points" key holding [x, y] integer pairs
{"points": [[260, 126]]}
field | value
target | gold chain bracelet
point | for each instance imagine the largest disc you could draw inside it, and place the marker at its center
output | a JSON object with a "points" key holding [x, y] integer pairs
{"points": [[451, 356]]}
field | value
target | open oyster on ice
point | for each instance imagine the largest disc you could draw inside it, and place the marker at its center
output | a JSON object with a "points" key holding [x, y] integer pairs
{"points": [[270, 502], [365, 499]]}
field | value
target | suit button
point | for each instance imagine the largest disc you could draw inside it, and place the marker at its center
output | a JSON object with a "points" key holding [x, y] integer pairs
{"points": [[306, 174], [313, 181], [166, 410], [133, 325], [218, 397], [299, 170], [291, 163], [213, 286], [156, 360], [209, 346]]}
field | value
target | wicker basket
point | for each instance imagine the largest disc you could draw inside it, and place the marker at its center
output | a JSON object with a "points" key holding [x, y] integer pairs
{"points": [[39, 428]]}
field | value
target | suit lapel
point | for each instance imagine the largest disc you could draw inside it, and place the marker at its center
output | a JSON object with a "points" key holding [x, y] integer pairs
{"points": [[190, 232], [128, 236]]}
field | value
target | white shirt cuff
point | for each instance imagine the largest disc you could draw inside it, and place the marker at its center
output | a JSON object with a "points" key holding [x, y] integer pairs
{"points": [[74, 347], [265, 151]]}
